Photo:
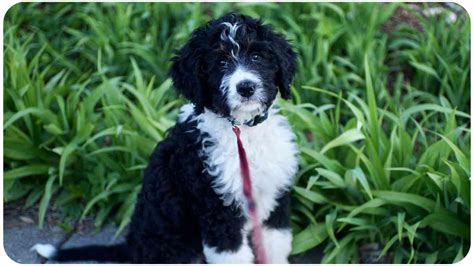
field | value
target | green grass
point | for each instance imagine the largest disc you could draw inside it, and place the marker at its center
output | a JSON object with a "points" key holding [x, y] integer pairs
{"points": [[381, 116]]}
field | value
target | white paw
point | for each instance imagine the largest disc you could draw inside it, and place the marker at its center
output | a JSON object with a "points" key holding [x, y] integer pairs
{"points": [[45, 250], [243, 255], [277, 245]]}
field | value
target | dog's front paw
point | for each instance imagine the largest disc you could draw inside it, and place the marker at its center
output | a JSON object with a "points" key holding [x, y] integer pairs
{"points": [[243, 255], [277, 245]]}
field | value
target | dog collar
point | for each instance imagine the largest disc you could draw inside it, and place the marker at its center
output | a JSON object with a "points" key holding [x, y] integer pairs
{"points": [[257, 120], [252, 122]]}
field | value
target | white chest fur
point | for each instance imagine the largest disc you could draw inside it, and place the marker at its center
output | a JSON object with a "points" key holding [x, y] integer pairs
{"points": [[271, 152]]}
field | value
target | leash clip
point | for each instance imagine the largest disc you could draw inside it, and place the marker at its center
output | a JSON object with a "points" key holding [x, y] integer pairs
{"points": [[236, 130]]}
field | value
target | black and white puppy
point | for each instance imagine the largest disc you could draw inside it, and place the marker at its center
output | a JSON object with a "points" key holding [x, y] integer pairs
{"points": [[191, 207]]}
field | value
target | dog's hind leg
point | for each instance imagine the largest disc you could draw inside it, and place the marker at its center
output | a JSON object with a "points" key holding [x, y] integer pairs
{"points": [[224, 236]]}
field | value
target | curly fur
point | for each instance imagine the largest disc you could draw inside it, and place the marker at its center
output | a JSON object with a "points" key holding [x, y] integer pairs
{"points": [[190, 208]]}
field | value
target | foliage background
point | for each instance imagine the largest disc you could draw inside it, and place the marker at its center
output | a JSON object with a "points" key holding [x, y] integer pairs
{"points": [[381, 109]]}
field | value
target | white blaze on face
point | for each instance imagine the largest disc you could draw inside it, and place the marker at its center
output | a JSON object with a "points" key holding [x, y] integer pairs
{"points": [[240, 75], [242, 108]]}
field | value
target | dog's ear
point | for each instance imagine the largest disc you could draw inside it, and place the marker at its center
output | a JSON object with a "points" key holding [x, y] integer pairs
{"points": [[186, 69], [286, 58]]}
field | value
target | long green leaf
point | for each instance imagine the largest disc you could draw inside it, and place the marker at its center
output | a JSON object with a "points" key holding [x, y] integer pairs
{"points": [[25, 171]]}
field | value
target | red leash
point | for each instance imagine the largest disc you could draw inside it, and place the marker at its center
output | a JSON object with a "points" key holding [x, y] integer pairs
{"points": [[257, 235]]}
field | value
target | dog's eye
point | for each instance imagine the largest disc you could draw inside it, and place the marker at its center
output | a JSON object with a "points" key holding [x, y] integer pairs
{"points": [[256, 57], [222, 63]]}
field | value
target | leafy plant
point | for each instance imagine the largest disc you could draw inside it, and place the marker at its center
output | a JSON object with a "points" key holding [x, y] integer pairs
{"points": [[87, 140], [386, 177], [380, 109]]}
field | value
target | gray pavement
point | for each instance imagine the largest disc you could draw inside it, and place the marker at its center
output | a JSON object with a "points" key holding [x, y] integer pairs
{"points": [[21, 233], [18, 240]]}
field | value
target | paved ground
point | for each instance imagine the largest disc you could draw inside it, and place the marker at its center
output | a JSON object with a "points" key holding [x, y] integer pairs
{"points": [[18, 240], [21, 232]]}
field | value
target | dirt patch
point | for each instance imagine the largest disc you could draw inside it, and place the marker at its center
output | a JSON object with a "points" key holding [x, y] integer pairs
{"points": [[402, 16]]}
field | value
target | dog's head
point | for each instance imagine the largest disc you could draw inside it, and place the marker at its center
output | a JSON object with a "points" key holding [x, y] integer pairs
{"points": [[234, 66]]}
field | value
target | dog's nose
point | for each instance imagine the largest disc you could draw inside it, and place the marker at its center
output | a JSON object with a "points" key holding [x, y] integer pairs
{"points": [[246, 88]]}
